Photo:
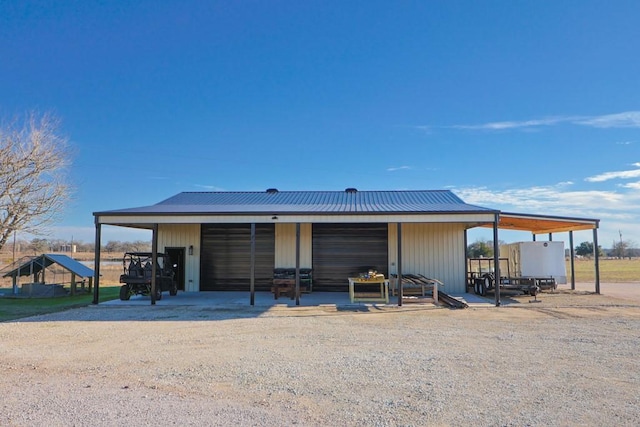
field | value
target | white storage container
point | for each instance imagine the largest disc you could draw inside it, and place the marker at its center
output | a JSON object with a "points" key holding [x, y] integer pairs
{"points": [[536, 259]]}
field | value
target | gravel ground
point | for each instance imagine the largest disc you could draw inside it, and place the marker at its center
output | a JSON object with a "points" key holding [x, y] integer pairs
{"points": [[570, 360]]}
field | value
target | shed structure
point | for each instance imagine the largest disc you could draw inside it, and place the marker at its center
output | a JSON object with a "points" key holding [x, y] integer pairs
{"points": [[36, 267], [234, 240]]}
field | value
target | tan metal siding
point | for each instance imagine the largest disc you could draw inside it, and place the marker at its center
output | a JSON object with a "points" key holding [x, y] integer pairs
{"points": [[183, 235], [285, 256], [433, 250]]}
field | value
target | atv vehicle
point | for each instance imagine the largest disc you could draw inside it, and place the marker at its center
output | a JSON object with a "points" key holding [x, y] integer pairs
{"points": [[138, 267]]}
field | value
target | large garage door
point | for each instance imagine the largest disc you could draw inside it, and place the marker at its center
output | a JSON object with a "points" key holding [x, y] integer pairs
{"points": [[342, 250], [226, 257]]}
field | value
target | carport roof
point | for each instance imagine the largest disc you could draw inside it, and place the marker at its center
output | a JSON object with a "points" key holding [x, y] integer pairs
{"points": [[542, 224], [36, 264]]}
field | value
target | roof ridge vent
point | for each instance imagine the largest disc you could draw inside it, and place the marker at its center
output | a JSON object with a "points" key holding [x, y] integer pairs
{"points": [[351, 190], [272, 190]]}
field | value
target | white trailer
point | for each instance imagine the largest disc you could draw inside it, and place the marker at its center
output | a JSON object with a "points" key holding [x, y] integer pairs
{"points": [[536, 259]]}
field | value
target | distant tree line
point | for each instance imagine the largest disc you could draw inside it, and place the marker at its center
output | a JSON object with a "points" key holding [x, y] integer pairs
{"points": [[478, 249], [38, 246], [621, 249]]}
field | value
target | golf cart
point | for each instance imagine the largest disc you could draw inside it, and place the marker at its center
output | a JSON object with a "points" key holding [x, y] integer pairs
{"points": [[138, 268]]}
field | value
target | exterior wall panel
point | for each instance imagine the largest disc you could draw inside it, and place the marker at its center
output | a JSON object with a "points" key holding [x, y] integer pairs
{"points": [[183, 235], [433, 250], [285, 256]]}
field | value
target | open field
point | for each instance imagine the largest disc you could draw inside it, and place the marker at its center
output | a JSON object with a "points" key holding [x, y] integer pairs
{"points": [[611, 270]]}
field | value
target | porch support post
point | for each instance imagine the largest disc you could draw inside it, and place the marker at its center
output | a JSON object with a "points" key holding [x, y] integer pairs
{"points": [[154, 265], [466, 261], [399, 264], [297, 263], [596, 257], [572, 254], [252, 273], [96, 262], [496, 259]]}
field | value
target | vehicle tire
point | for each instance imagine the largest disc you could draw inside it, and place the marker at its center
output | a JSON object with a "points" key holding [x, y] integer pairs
{"points": [[124, 293], [482, 287], [476, 286]]}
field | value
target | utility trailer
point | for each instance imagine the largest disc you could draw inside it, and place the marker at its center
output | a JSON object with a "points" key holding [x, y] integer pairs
{"points": [[481, 278]]}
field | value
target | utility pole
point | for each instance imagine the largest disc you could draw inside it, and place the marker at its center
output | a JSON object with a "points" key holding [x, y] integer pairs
{"points": [[621, 247]]}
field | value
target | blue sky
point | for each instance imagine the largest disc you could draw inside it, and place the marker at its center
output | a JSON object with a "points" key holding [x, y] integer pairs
{"points": [[523, 106]]}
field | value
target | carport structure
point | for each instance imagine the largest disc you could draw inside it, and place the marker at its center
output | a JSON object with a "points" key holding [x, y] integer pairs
{"points": [[232, 240], [548, 225], [36, 267]]}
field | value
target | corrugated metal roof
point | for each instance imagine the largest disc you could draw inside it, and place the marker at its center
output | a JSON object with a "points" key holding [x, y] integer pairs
{"points": [[43, 261], [282, 202]]}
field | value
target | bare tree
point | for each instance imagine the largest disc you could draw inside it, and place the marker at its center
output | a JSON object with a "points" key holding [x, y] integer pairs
{"points": [[34, 159]]}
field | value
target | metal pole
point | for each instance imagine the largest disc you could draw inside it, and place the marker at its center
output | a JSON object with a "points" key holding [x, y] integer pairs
{"points": [[297, 263], [572, 262], [252, 283], [399, 264], [154, 258], [466, 262], [596, 257], [96, 263], [496, 259]]}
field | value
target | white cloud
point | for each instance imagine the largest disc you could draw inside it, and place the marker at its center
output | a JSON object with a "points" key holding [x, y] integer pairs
{"points": [[629, 119], [393, 169], [618, 120], [513, 125], [614, 175], [208, 187], [632, 185]]}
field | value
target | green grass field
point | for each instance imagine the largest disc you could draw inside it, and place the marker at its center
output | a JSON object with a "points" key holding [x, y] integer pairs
{"points": [[16, 308], [611, 270]]}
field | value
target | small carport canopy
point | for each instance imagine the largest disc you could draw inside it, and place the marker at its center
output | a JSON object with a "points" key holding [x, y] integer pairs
{"points": [[36, 266], [546, 224]]}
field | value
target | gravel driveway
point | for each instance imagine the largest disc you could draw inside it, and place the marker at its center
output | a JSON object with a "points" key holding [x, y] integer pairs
{"points": [[570, 360]]}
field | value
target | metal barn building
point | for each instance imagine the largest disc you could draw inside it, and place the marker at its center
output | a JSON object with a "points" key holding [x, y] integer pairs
{"points": [[234, 240]]}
